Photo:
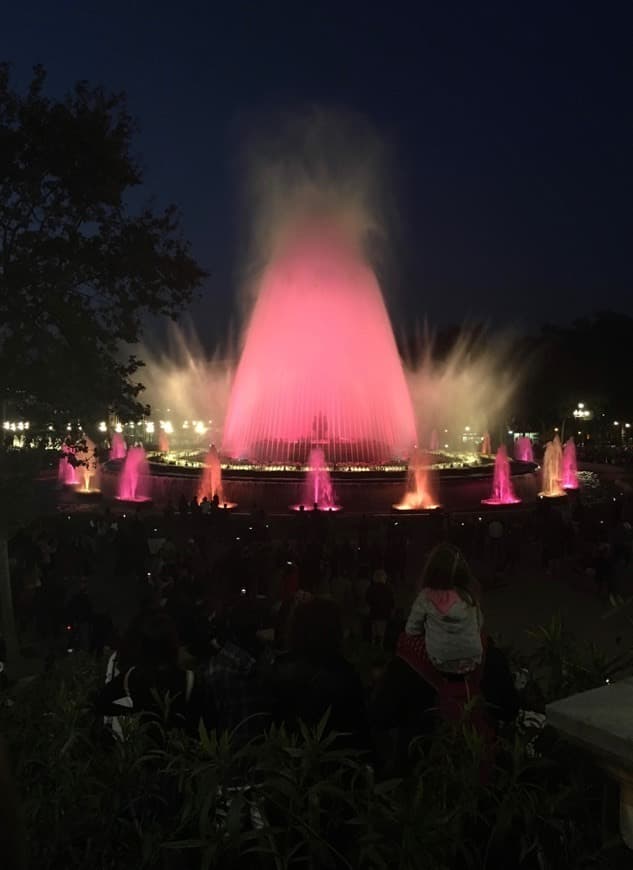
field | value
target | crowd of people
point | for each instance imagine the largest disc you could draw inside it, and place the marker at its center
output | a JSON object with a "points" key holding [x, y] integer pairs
{"points": [[243, 621]]}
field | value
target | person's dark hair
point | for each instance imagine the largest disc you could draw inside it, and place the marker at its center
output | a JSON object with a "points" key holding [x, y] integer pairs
{"points": [[243, 622], [158, 641], [315, 629], [446, 568]]}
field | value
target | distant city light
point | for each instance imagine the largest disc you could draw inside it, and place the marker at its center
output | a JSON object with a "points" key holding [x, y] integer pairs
{"points": [[118, 428], [615, 423], [149, 427], [200, 428], [102, 426], [581, 405], [167, 427]]}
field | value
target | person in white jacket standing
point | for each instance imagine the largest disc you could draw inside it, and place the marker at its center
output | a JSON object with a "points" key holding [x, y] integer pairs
{"points": [[447, 612]]}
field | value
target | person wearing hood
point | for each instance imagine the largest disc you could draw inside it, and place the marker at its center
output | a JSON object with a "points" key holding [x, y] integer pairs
{"points": [[447, 613]]}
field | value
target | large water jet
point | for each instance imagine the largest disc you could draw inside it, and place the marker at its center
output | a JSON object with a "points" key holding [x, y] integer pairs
{"points": [[118, 447], [523, 449], [421, 491], [163, 442], [89, 467], [553, 470], [502, 489], [320, 366], [134, 479], [66, 469], [210, 485], [570, 465], [318, 493]]}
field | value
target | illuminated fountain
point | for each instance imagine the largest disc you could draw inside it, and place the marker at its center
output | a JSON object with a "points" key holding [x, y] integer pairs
{"points": [[163, 442], [570, 465], [118, 447], [434, 441], [421, 487], [134, 479], [318, 493], [320, 364], [89, 468], [486, 447], [553, 470], [502, 489], [523, 449], [210, 485], [66, 470]]}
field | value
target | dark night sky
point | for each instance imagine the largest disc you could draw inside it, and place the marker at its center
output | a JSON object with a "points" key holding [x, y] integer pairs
{"points": [[511, 122]]}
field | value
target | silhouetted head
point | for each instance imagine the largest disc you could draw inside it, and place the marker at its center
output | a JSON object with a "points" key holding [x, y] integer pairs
{"points": [[446, 568], [315, 629], [242, 624], [158, 640]]}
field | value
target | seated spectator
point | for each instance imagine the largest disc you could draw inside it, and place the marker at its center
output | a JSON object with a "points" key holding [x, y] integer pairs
{"points": [[438, 673], [236, 695], [150, 680], [446, 613], [314, 677]]}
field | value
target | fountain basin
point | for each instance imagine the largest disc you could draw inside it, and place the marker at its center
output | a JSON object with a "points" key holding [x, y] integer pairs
{"points": [[498, 502], [324, 509], [429, 508]]}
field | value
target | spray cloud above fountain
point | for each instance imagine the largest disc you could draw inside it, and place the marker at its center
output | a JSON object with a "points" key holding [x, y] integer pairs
{"points": [[319, 365]]}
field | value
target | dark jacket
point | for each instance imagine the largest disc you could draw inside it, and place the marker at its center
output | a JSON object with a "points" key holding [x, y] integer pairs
{"points": [[304, 689], [149, 690]]}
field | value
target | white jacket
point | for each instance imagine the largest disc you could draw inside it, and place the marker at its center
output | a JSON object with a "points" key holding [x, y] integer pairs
{"points": [[451, 626]]}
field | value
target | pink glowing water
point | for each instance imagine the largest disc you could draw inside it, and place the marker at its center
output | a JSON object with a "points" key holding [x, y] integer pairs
{"points": [[434, 441], [66, 470], [553, 470], [211, 478], [320, 365], [485, 448], [318, 491], [502, 489], [570, 465], [421, 491], [523, 449], [134, 479], [163, 442], [118, 447]]}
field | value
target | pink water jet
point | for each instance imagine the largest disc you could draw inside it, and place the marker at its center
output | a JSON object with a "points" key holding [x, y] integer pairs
{"points": [[210, 485], [486, 447], [502, 489], [421, 493], [318, 493], [553, 470], [570, 465], [118, 447], [320, 366], [523, 449], [134, 479], [66, 470], [163, 442]]}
